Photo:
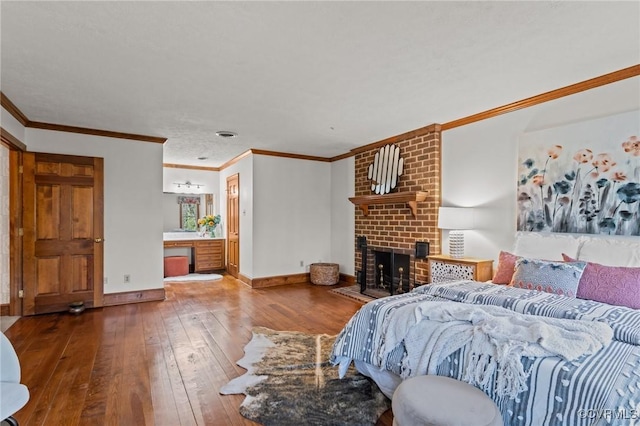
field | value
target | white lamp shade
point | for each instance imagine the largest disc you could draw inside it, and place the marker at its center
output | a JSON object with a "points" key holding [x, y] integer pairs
{"points": [[457, 218]]}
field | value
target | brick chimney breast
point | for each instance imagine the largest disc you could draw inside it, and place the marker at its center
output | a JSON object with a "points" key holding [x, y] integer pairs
{"points": [[393, 225]]}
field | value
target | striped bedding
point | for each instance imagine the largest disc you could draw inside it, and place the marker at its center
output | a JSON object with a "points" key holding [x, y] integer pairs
{"points": [[598, 389]]}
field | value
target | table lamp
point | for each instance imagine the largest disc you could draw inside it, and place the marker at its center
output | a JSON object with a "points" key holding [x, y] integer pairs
{"points": [[456, 220]]}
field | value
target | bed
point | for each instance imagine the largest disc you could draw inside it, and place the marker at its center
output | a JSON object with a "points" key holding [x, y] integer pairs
{"points": [[599, 387]]}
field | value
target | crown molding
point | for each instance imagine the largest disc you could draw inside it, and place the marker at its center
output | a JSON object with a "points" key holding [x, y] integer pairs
{"points": [[288, 155], [273, 154], [625, 73], [342, 156], [183, 166], [398, 138], [11, 141], [235, 159], [19, 115], [95, 132], [572, 89], [629, 72], [13, 109]]}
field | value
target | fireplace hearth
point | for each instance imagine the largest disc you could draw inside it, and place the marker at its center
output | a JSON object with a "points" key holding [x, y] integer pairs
{"points": [[386, 271]]}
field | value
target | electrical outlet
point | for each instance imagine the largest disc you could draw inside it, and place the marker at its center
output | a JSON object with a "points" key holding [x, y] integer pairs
{"points": [[127, 278], [302, 263]]}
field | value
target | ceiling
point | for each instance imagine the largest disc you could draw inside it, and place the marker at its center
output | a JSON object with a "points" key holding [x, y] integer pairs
{"points": [[311, 78]]}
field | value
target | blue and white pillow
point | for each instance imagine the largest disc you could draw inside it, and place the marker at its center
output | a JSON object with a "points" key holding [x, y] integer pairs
{"points": [[544, 275]]}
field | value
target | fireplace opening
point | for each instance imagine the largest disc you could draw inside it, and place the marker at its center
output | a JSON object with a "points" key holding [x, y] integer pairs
{"points": [[387, 271]]}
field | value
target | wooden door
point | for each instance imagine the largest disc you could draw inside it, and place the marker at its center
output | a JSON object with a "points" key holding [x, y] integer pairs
{"points": [[63, 230], [233, 225]]}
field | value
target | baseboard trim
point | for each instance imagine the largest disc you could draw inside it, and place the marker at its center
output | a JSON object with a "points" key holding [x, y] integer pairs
{"points": [[246, 280], [280, 280], [349, 279], [4, 310], [127, 297], [286, 279]]}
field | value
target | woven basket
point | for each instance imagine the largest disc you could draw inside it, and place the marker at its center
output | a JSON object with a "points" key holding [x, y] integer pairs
{"points": [[324, 273]]}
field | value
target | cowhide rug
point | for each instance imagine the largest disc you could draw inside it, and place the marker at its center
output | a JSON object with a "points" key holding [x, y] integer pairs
{"points": [[290, 381]]}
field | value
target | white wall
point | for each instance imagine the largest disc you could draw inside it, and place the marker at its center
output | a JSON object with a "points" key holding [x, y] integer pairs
{"points": [[11, 125], [479, 160], [132, 203], [292, 215], [4, 225], [244, 169], [343, 214]]}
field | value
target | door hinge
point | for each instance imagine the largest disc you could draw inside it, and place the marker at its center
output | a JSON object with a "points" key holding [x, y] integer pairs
{"points": [[20, 169], [20, 232], [20, 294]]}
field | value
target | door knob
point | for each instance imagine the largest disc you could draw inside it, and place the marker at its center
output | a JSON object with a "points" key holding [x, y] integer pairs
{"points": [[98, 240]]}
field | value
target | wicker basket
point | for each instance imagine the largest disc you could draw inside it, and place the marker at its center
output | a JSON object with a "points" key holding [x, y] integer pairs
{"points": [[324, 273]]}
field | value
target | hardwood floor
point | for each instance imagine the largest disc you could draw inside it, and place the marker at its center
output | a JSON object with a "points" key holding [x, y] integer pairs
{"points": [[160, 363]]}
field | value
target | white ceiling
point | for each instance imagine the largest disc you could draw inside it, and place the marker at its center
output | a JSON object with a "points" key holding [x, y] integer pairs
{"points": [[314, 78]]}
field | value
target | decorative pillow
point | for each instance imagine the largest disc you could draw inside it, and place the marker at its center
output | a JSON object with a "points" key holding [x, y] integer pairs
{"points": [[506, 268], [615, 285], [545, 245], [552, 277]]}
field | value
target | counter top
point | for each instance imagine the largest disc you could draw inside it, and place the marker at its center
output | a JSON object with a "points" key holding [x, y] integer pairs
{"points": [[186, 236]]}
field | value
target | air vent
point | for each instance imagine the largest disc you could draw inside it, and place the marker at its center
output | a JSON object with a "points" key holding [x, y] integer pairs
{"points": [[226, 134]]}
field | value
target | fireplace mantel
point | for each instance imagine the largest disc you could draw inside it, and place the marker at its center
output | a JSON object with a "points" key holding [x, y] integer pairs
{"points": [[411, 198]]}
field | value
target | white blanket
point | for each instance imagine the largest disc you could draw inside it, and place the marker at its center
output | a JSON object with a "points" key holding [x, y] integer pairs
{"points": [[498, 338]]}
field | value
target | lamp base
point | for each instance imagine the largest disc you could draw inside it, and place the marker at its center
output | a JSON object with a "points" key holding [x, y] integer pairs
{"points": [[456, 244]]}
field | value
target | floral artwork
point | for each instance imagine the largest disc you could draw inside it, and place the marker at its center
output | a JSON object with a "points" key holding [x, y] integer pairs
{"points": [[582, 178]]}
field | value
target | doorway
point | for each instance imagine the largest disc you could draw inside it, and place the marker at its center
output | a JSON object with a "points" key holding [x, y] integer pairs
{"points": [[62, 255], [233, 225]]}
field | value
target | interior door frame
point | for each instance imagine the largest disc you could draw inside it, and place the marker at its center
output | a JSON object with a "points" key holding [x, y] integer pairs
{"points": [[235, 176], [28, 218], [16, 148]]}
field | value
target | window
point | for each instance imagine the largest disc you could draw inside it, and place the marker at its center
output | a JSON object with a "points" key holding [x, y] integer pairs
{"points": [[189, 212]]}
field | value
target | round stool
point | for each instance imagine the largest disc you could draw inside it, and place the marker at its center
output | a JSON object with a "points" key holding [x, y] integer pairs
{"points": [[442, 401]]}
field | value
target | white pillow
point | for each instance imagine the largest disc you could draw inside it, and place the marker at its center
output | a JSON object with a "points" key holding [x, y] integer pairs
{"points": [[610, 252], [545, 245]]}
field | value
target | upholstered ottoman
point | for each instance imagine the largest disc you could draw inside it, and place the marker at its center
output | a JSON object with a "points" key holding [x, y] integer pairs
{"points": [[441, 401], [175, 266]]}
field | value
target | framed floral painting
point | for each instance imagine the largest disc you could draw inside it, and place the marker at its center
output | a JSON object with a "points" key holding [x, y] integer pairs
{"points": [[582, 177]]}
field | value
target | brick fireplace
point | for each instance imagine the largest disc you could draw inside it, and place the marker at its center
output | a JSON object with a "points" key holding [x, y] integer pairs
{"points": [[392, 226]]}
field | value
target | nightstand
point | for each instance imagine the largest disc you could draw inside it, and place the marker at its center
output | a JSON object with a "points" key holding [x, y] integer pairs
{"points": [[443, 267]]}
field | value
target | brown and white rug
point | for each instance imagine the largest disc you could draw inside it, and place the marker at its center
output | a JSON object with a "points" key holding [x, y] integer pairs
{"points": [[290, 381]]}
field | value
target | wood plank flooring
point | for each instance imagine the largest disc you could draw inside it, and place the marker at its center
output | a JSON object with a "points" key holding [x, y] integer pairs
{"points": [[160, 363]]}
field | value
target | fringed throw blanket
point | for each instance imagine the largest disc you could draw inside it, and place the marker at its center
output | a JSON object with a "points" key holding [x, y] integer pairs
{"points": [[497, 337], [602, 388]]}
